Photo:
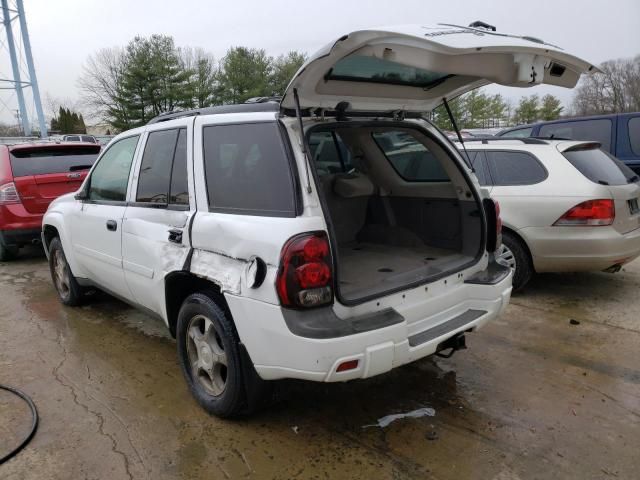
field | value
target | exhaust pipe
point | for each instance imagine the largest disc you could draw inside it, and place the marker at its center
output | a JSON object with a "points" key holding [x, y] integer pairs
{"points": [[613, 268], [455, 343], [36, 241]]}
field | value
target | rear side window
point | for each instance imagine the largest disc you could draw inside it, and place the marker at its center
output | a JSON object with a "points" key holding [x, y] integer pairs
{"points": [[593, 130], [72, 138], [599, 166], [519, 133], [179, 190], [42, 161], [247, 170], [410, 158], [88, 138], [329, 153], [634, 135], [515, 168], [110, 177]]}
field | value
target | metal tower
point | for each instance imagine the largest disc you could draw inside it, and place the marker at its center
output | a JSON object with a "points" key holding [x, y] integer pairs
{"points": [[13, 12]]}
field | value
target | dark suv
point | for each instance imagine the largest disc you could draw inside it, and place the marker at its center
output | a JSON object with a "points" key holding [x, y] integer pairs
{"points": [[618, 134]]}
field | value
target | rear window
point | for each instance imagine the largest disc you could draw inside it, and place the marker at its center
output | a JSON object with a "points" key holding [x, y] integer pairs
{"points": [[634, 135], [410, 158], [88, 138], [599, 166], [515, 168], [365, 68], [594, 130], [41, 161], [247, 170]]}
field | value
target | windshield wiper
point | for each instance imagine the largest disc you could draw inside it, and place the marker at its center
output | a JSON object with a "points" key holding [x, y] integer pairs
{"points": [[633, 179], [602, 182]]}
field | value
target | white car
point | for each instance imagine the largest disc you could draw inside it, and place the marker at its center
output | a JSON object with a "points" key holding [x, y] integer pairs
{"points": [[566, 206], [296, 240]]}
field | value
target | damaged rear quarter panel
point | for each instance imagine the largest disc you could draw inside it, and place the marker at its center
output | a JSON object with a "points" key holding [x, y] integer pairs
{"points": [[224, 245]]}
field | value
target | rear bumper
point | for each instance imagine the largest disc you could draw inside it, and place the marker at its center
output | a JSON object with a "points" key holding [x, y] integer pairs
{"points": [[279, 353], [14, 218], [575, 249], [17, 238]]}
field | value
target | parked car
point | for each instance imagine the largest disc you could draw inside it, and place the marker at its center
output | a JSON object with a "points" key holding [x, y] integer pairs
{"points": [[618, 134], [80, 138], [566, 206], [330, 237], [31, 176]]}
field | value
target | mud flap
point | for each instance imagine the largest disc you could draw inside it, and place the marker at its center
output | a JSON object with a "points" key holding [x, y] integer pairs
{"points": [[259, 392]]}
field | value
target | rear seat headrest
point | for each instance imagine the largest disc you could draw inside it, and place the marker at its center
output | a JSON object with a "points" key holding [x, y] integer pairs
{"points": [[353, 185]]}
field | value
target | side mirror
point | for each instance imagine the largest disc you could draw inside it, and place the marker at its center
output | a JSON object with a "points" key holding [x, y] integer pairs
{"points": [[82, 195]]}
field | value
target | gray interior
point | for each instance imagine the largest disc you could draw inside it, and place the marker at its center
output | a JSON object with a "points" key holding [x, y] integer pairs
{"points": [[391, 232]]}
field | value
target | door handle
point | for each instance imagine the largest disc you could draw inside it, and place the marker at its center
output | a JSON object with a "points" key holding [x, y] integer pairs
{"points": [[175, 235], [112, 225]]}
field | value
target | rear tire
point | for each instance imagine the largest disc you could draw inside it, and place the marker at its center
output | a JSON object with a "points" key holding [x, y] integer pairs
{"points": [[218, 372], [7, 253], [517, 257], [69, 291]]}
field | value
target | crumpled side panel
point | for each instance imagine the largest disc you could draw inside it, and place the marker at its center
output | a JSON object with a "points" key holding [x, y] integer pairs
{"points": [[224, 271]]}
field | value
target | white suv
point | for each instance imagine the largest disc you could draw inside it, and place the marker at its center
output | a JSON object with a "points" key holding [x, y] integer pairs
{"points": [[332, 236], [566, 206]]}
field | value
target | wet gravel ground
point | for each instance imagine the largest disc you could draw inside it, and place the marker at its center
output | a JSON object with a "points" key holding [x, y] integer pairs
{"points": [[550, 390]]}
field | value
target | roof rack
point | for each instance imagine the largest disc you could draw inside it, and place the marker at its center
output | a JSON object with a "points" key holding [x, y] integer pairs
{"points": [[525, 140], [257, 104]]}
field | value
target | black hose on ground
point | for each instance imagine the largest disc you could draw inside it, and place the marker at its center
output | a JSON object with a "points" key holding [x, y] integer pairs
{"points": [[34, 423]]}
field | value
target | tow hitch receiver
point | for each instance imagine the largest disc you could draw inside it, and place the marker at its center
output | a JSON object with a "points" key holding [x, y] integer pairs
{"points": [[453, 344]]}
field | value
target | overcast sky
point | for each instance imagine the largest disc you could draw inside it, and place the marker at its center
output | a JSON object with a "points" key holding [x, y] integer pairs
{"points": [[64, 33]]}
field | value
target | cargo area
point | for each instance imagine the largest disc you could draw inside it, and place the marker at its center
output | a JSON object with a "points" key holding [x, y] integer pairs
{"points": [[400, 210]]}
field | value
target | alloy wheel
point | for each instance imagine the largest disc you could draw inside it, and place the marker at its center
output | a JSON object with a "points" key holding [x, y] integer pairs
{"points": [[61, 274], [206, 353], [506, 257]]}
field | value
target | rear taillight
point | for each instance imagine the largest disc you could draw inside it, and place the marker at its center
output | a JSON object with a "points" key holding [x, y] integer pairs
{"points": [[494, 224], [592, 213], [305, 274], [8, 194]]}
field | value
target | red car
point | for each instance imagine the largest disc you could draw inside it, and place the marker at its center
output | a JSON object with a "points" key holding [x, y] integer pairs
{"points": [[31, 176]]}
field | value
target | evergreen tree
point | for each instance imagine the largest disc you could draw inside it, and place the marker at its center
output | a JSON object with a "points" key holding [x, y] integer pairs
{"points": [[550, 108], [244, 73], [528, 110]]}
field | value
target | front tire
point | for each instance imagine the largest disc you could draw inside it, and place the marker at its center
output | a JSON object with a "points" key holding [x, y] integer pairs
{"points": [[69, 291], [219, 375], [514, 254]]}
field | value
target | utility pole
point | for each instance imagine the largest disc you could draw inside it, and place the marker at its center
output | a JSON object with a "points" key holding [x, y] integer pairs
{"points": [[9, 15]]}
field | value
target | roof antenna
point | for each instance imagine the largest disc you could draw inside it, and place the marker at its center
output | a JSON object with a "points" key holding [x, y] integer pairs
{"points": [[305, 150], [455, 127]]}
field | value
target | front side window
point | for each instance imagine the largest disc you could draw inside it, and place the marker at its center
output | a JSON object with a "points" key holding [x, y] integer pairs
{"points": [[515, 168], [593, 130], [110, 177], [247, 170], [410, 158]]}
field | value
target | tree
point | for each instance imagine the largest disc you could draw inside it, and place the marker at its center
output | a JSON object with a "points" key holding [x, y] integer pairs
{"points": [[244, 73], [528, 110], [472, 110], [616, 89], [550, 108], [202, 81], [283, 69], [68, 121]]}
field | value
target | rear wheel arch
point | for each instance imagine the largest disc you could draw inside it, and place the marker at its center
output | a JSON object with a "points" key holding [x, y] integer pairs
{"points": [[179, 285], [521, 239]]}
